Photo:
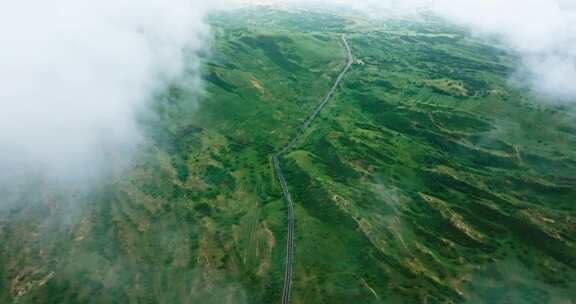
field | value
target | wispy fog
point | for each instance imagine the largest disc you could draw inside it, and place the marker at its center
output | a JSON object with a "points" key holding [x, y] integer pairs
{"points": [[541, 32], [73, 73]]}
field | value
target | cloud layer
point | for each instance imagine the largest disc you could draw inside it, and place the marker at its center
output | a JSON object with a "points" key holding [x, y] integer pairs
{"points": [[541, 32], [73, 72]]}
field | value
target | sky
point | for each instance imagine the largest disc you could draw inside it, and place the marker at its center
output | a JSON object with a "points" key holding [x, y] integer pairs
{"points": [[74, 71]]}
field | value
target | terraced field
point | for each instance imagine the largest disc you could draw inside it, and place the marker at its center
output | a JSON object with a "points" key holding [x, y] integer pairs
{"points": [[427, 179]]}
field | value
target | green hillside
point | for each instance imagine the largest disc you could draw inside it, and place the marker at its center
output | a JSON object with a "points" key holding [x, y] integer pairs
{"points": [[428, 178]]}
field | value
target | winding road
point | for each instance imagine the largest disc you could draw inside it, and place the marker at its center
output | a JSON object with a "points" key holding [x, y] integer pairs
{"points": [[280, 174]]}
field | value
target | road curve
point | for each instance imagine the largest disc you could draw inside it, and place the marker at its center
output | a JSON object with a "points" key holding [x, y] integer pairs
{"points": [[280, 174]]}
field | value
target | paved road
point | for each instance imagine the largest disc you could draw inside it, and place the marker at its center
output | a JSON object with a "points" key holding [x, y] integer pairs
{"points": [[282, 180]]}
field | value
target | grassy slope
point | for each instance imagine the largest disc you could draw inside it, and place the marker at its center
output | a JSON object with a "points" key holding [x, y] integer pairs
{"points": [[428, 178]]}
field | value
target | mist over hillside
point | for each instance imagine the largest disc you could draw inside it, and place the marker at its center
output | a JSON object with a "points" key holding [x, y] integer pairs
{"points": [[287, 151], [75, 73]]}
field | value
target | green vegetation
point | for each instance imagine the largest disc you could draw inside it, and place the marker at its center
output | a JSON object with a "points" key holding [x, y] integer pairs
{"points": [[427, 179]]}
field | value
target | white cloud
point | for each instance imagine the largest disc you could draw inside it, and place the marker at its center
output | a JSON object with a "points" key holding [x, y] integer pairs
{"points": [[73, 72], [541, 32]]}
